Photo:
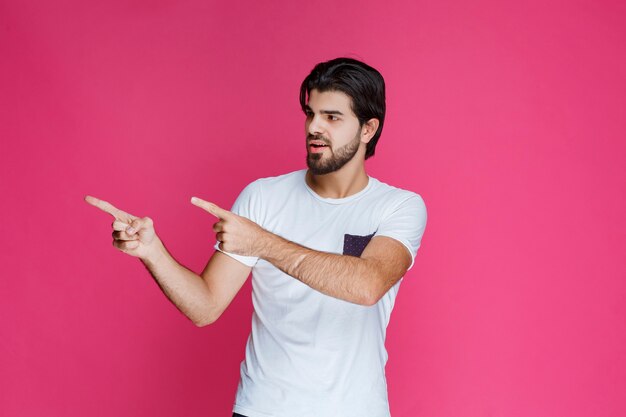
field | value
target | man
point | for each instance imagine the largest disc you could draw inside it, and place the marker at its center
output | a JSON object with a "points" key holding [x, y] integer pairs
{"points": [[327, 248]]}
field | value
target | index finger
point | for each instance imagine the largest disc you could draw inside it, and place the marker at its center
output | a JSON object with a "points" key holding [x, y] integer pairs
{"points": [[105, 206], [212, 208]]}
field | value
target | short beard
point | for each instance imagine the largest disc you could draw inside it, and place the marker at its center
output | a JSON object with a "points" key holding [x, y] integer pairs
{"points": [[336, 161]]}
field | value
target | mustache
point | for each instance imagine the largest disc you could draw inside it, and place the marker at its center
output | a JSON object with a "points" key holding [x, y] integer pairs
{"points": [[310, 137]]}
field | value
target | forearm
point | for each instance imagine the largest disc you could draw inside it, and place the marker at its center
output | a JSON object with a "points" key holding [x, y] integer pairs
{"points": [[341, 276], [360, 280], [184, 288]]}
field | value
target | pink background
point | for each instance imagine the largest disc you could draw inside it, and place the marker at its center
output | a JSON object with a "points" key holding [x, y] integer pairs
{"points": [[508, 118]]}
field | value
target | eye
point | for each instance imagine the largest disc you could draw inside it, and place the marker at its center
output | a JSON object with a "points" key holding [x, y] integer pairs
{"points": [[333, 117]]}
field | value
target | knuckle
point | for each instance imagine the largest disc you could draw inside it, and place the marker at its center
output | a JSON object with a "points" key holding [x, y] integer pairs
{"points": [[123, 236]]}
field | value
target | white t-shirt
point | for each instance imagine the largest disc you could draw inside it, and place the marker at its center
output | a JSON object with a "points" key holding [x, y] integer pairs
{"points": [[309, 354]]}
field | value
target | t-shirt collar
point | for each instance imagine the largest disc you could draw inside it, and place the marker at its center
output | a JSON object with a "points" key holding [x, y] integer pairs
{"points": [[370, 183]]}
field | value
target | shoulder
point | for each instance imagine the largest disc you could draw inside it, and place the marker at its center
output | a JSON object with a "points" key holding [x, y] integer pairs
{"points": [[284, 181], [395, 197], [259, 197], [272, 185], [403, 216]]}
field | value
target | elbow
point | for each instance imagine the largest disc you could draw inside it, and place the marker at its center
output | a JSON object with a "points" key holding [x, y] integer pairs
{"points": [[375, 286], [203, 323], [370, 300], [370, 297], [205, 320]]}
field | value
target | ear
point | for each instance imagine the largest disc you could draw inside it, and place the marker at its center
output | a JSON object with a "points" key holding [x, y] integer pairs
{"points": [[368, 130]]}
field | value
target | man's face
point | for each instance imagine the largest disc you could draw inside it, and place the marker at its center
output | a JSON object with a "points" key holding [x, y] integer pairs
{"points": [[332, 131]]}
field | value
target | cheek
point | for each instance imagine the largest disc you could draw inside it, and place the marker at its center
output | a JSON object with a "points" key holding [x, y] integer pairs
{"points": [[347, 134]]}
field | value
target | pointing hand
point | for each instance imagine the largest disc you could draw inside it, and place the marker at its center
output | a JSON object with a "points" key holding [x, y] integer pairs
{"points": [[132, 235], [236, 234]]}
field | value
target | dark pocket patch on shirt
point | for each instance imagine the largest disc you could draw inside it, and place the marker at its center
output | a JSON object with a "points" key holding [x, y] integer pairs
{"points": [[354, 245]]}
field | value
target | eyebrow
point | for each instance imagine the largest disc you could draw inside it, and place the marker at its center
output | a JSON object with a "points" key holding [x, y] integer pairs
{"points": [[337, 112]]}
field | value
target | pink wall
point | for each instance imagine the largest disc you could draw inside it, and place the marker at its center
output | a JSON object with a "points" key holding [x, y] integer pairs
{"points": [[507, 117]]}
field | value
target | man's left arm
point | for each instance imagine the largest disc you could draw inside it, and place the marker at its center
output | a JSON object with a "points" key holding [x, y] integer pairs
{"points": [[360, 280]]}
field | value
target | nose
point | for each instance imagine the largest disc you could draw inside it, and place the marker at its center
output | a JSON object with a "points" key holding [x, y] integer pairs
{"points": [[314, 125]]}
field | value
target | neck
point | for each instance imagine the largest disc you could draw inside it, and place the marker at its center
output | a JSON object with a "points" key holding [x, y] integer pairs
{"points": [[348, 180]]}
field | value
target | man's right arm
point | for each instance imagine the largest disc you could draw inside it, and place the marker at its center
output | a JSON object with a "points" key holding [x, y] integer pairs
{"points": [[202, 298]]}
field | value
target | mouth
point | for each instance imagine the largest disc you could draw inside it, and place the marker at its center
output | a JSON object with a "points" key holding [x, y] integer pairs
{"points": [[317, 146]]}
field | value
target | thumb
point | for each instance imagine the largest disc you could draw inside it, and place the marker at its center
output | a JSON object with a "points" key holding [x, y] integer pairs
{"points": [[134, 226], [212, 208]]}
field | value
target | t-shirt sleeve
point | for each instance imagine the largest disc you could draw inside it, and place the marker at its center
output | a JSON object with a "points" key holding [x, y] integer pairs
{"points": [[246, 205], [406, 223]]}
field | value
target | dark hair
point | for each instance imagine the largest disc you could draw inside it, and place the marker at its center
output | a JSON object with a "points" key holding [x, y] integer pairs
{"points": [[362, 83]]}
